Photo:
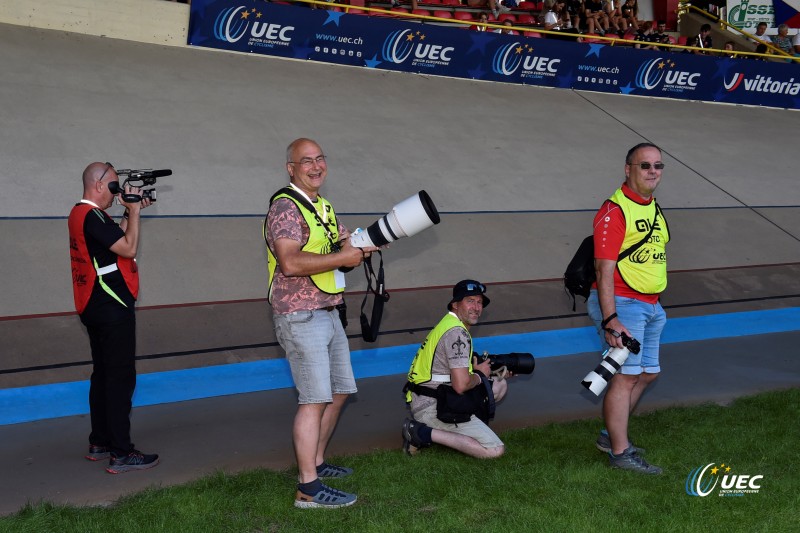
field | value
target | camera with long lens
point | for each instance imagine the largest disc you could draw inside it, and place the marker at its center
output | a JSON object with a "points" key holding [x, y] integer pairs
{"points": [[409, 217], [517, 363], [613, 359], [138, 178]]}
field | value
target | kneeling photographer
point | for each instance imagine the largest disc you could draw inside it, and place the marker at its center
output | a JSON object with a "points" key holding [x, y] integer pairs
{"points": [[450, 393]]}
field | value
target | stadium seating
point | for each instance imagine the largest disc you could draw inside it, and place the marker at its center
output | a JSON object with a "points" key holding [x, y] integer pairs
{"points": [[440, 13], [462, 15]]}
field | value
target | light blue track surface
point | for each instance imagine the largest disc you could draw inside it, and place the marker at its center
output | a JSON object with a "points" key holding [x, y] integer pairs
{"points": [[39, 402]]}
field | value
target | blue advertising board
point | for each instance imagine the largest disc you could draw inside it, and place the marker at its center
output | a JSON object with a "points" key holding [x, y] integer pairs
{"points": [[387, 43]]}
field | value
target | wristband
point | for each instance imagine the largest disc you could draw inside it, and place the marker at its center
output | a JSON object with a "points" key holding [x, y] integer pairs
{"points": [[605, 322], [126, 214]]}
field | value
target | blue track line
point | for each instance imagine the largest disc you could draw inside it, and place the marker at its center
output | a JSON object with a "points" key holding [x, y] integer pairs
{"points": [[26, 404]]}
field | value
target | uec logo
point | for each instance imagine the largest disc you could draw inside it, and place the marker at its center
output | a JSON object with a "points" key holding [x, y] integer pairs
{"points": [[700, 484], [508, 58], [229, 27], [400, 44], [651, 73]]}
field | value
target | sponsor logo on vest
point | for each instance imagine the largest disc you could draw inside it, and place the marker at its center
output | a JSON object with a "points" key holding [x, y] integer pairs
{"points": [[703, 480], [761, 84], [402, 44], [663, 73], [233, 23], [513, 56]]}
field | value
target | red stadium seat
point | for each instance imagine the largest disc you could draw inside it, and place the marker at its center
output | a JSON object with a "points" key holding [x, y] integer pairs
{"points": [[431, 2], [528, 6], [355, 11], [682, 40], [507, 16], [534, 34], [592, 38], [525, 19], [421, 12], [462, 15], [451, 2], [442, 14]]}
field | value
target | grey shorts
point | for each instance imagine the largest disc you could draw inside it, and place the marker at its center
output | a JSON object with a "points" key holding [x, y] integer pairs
{"points": [[318, 354]]}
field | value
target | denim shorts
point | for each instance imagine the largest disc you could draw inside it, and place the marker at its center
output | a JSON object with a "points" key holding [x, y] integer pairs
{"points": [[318, 354], [645, 322]]}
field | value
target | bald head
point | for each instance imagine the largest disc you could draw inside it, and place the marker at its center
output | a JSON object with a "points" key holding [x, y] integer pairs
{"points": [[93, 173], [295, 144]]}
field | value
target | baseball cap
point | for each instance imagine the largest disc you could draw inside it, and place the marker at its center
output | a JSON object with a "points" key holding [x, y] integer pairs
{"points": [[469, 287]]}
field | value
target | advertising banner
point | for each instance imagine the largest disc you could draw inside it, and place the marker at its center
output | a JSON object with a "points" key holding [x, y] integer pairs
{"points": [[400, 45], [747, 14]]}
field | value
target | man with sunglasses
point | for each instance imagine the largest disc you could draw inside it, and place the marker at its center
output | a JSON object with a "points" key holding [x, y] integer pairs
{"points": [[445, 360], [307, 248], [625, 298], [105, 282]]}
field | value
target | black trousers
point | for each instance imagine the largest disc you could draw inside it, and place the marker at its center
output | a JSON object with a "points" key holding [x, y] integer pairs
{"points": [[112, 384]]}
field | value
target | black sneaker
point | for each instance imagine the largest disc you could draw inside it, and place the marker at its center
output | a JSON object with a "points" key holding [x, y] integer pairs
{"points": [[411, 441], [97, 453], [135, 460]]}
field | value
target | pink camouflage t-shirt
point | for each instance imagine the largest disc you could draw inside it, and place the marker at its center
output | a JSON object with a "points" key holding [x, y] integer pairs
{"points": [[295, 293]]}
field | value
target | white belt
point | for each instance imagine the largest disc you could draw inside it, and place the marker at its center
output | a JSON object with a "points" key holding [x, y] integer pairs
{"points": [[440, 378], [102, 271]]}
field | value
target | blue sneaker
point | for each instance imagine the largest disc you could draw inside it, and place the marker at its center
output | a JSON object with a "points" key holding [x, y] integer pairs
{"points": [[135, 460], [603, 443], [325, 498], [329, 470]]}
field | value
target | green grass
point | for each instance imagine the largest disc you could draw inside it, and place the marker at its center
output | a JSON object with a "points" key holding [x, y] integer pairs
{"points": [[551, 479]]}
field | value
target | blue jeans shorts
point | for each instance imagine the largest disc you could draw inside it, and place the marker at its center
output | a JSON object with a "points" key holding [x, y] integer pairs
{"points": [[644, 321], [318, 354]]}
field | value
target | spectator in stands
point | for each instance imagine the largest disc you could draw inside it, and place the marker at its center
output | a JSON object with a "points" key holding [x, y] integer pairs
{"points": [[761, 48], [701, 40], [596, 18], [496, 7], [761, 33], [556, 18], [796, 43], [729, 48], [660, 35], [644, 36], [507, 29], [782, 40], [628, 14], [482, 22], [574, 11]]}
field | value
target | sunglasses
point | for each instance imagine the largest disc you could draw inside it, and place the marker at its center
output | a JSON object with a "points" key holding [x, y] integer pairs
{"points": [[646, 166], [480, 287]]}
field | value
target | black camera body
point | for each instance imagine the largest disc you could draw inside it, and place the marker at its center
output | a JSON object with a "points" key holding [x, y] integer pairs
{"points": [[139, 178], [515, 362], [631, 344]]}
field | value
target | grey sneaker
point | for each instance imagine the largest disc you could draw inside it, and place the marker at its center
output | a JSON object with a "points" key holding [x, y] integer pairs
{"points": [[411, 441], [326, 498], [329, 470], [603, 443], [630, 460]]}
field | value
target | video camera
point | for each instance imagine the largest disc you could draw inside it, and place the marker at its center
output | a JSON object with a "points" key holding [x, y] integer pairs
{"points": [[516, 363], [138, 178]]}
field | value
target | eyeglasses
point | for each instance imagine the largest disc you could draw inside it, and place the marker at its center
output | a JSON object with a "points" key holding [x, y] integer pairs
{"points": [[646, 166], [109, 166], [480, 287], [308, 162]]}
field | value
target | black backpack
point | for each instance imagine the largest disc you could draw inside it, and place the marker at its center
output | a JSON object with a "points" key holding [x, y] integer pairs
{"points": [[580, 273]]}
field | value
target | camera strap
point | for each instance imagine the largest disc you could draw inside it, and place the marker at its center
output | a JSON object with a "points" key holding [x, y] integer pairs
{"points": [[370, 328]]}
